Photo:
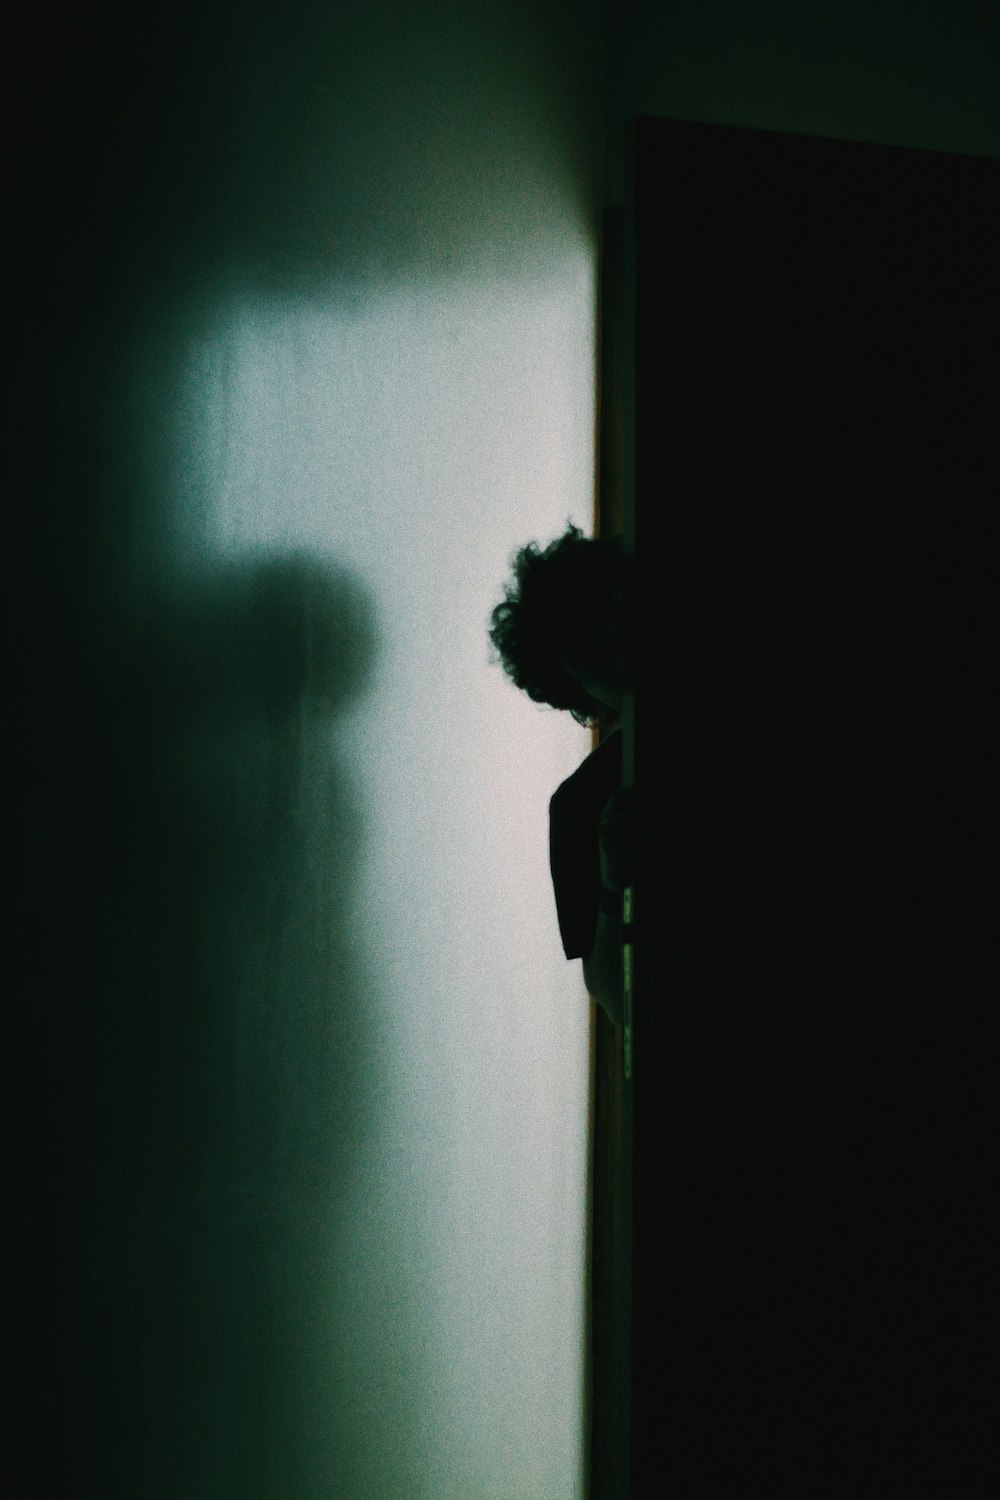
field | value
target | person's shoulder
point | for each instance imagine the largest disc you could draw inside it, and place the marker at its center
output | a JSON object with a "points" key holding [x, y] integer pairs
{"points": [[600, 769]]}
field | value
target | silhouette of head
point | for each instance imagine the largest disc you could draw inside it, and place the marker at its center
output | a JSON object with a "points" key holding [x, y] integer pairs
{"points": [[564, 632]]}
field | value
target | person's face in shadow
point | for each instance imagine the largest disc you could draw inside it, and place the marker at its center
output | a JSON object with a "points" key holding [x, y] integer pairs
{"points": [[608, 690], [607, 693]]}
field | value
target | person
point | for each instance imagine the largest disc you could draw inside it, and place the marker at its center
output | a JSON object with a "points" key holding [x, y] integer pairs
{"points": [[564, 634]]}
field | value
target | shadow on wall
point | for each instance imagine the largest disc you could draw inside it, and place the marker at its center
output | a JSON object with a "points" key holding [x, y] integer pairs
{"points": [[202, 1076], [195, 1074], [299, 147]]}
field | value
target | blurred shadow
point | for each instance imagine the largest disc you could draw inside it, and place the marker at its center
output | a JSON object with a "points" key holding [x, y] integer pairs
{"points": [[195, 1073], [199, 1083]]}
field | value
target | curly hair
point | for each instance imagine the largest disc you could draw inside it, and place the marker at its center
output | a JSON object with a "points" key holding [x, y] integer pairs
{"points": [[573, 604]]}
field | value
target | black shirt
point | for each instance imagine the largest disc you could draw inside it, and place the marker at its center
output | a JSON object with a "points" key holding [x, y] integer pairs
{"points": [[574, 855]]}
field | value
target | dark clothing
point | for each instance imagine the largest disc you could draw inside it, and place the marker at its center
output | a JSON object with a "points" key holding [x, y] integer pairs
{"points": [[574, 855]]}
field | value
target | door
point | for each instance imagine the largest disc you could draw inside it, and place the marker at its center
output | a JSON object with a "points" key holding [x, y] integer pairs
{"points": [[813, 330]]}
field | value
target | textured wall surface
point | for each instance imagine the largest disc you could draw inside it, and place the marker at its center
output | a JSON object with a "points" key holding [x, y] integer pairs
{"points": [[306, 328]]}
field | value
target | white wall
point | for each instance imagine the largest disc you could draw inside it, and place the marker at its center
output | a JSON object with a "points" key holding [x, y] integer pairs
{"points": [[406, 440], [331, 291]]}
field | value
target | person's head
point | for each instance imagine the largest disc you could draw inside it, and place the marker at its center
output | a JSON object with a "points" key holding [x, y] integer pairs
{"points": [[564, 632]]}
